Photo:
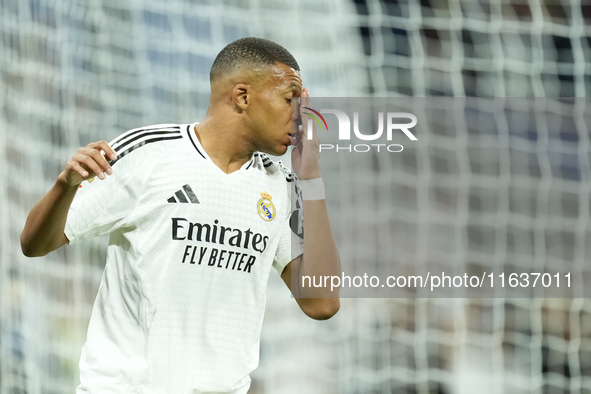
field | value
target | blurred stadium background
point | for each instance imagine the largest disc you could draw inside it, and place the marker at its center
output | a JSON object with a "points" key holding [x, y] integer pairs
{"points": [[72, 72]]}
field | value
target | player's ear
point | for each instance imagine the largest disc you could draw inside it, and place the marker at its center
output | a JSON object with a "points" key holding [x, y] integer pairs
{"points": [[241, 96]]}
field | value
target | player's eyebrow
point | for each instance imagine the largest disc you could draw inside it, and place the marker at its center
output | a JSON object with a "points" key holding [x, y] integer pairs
{"points": [[294, 85]]}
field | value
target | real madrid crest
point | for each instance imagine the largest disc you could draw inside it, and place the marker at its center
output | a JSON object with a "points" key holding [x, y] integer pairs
{"points": [[265, 207]]}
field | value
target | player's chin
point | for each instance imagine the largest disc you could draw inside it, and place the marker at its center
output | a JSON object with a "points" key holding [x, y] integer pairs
{"points": [[281, 149], [285, 143], [276, 150]]}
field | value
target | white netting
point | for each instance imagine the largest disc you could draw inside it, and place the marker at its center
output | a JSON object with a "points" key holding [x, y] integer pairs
{"points": [[72, 72]]}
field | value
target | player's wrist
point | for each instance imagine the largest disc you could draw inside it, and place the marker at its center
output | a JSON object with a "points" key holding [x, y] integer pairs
{"points": [[309, 174], [62, 183], [312, 189]]}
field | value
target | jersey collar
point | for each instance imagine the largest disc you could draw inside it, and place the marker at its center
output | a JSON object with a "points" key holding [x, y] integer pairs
{"points": [[203, 154]]}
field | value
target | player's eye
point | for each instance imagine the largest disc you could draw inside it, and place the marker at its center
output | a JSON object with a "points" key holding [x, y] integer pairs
{"points": [[288, 100]]}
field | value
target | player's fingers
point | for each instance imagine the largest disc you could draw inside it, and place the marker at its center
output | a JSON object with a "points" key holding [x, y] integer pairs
{"points": [[295, 109], [90, 163], [300, 145], [304, 105], [296, 122], [305, 98], [110, 154], [100, 160], [305, 112], [75, 166], [298, 138]]}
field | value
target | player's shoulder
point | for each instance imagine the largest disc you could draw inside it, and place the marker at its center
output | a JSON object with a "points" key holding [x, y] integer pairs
{"points": [[134, 140], [276, 167]]}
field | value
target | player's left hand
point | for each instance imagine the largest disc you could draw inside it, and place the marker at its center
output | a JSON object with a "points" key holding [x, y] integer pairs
{"points": [[305, 157]]}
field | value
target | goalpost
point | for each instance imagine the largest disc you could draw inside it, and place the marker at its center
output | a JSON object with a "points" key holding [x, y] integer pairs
{"points": [[72, 72]]}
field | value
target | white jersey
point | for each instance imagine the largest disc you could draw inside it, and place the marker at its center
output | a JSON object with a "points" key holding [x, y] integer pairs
{"points": [[181, 302]]}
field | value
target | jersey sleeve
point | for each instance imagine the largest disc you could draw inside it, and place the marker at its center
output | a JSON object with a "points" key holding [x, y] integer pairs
{"points": [[291, 243], [103, 206]]}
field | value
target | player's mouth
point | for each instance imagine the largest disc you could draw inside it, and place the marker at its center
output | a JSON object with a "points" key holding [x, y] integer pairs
{"points": [[300, 129]]}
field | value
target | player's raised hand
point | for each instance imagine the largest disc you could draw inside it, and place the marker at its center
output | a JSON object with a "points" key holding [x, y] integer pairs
{"points": [[305, 155], [89, 161]]}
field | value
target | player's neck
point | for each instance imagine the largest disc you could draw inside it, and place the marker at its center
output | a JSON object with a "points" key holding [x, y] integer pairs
{"points": [[222, 140]]}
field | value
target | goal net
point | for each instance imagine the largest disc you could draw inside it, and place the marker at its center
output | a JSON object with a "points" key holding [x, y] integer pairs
{"points": [[72, 72]]}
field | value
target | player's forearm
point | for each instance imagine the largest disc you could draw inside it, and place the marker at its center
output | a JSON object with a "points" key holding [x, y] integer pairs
{"points": [[321, 257], [44, 228]]}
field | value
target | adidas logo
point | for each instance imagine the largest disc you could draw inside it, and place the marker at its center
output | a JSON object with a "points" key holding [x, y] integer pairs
{"points": [[186, 197]]}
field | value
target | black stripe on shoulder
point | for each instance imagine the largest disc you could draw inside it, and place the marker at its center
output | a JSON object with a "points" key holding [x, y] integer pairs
{"points": [[143, 143], [193, 142], [149, 128], [137, 137], [289, 175], [267, 162]]}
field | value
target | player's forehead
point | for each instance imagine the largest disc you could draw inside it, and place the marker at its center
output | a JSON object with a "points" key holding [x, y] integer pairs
{"points": [[284, 77]]}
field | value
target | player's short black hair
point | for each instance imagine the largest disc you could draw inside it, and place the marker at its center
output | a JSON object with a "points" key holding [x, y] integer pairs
{"points": [[250, 52]]}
